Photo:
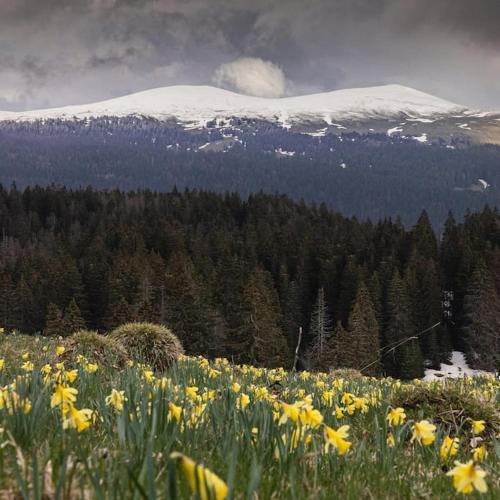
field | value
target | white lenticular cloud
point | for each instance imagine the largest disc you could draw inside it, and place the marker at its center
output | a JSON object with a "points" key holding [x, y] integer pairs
{"points": [[252, 76]]}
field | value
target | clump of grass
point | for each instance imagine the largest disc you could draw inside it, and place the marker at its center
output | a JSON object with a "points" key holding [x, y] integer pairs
{"points": [[451, 403], [13, 346], [346, 373], [96, 348], [154, 345]]}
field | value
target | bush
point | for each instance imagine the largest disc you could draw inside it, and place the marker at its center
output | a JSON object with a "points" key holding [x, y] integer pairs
{"points": [[95, 348], [451, 402], [154, 345]]}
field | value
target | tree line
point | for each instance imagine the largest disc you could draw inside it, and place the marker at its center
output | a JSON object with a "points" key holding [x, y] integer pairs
{"points": [[240, 277]]}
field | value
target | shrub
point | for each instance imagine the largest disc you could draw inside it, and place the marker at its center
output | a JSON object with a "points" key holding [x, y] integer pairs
{"points": [[451, 402], [96, 348], [154, 345]]}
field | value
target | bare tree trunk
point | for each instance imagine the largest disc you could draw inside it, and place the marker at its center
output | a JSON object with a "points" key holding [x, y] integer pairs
{"points": [[296, 358]]}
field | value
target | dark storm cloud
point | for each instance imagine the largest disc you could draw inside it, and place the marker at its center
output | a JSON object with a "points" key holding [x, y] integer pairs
{"points": [[55, 52]]}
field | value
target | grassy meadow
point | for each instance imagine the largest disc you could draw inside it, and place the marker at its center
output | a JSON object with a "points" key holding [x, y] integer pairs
{"points": [[76, 427]]}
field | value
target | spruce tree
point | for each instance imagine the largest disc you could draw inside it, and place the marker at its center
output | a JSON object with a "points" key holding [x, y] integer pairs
{"points": [[292, 318], [259, 340], [73, 320], [119, 312], [403, 358], [363, 350], [481, 328], [344, 357], [188, 309], [348, 289], [54, 324]]}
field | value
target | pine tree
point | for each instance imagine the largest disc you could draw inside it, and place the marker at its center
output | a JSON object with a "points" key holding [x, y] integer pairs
{"points": [[73, 320], [363, 330], [482, 321], [54, 324]]}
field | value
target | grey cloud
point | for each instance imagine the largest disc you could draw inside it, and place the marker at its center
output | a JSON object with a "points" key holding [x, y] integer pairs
{"points": [[58, 52]]}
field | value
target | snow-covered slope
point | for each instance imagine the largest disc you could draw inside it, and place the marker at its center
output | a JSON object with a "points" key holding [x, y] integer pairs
{"points": [[457, 368], [199, 104]]}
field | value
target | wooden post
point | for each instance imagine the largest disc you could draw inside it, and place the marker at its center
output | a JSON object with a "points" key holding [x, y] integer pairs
{"points": [[296, 358]]}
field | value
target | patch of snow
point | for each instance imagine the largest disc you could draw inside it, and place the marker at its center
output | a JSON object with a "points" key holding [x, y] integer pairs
{"points": [[483, 183], [319, 133], [343, 165], [392, 131], [464, 126], [284, 153], [457, 368], [204, 146], [422, 138], [421, 120]]}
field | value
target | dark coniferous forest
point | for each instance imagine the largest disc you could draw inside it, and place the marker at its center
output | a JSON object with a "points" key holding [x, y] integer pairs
{"points": [[239, 277], [367, 175]]}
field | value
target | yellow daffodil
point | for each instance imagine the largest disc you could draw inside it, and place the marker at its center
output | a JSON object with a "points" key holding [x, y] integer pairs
{"points": [[467, 477], [77, 419], [236, 387], [70, 375], [2, 364], [174, 411], [202, 481], [339, 412], [423, 432], [91, 367], [337, 439], [289, 411], [243, 401], [480, 453], [192, 392], [391, 441], [311, 417], [478, 426], [46, 369], [116, 400], [449, 447], [27, 366], [63, 395], [396, 416], [60, 350]]}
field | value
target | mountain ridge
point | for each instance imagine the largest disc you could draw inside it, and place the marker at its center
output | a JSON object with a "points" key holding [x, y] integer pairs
{"points": [[189, 103]]}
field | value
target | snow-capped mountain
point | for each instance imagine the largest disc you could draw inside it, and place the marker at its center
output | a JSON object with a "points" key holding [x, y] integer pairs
{"points": [[388, 109], [202, 104]]}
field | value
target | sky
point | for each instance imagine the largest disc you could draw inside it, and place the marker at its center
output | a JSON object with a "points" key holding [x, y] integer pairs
{"points": [[59, 52]]}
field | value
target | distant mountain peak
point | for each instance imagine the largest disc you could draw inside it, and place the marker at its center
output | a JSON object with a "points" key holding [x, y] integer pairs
{"points": [[201, 104]]}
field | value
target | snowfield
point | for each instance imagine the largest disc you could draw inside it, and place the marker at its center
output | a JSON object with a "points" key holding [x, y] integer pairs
{"points": [[195, 106], [457, 368]]}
